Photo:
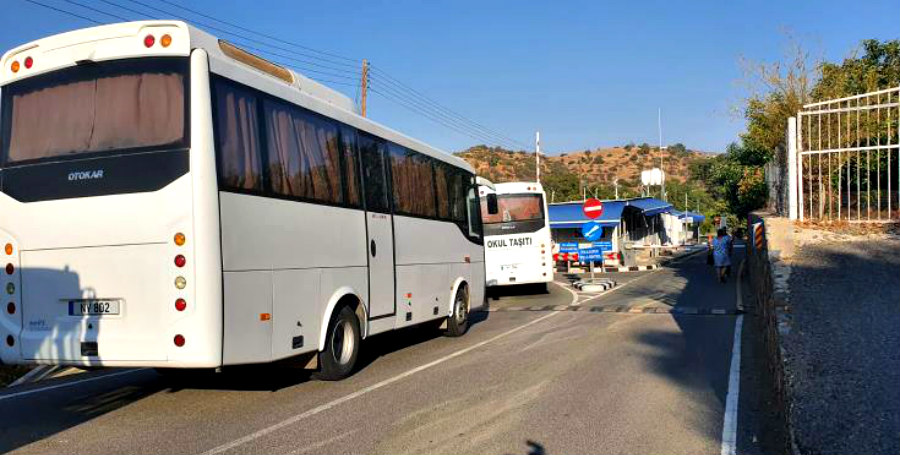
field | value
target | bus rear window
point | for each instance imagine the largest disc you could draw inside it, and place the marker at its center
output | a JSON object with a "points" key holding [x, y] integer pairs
{"points": [[96, 108], [514, 207]]}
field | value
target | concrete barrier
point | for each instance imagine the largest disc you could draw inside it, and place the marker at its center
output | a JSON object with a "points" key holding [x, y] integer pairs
{"points": [[767, 270]]}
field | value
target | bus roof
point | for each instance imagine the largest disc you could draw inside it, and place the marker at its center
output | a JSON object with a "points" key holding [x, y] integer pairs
{"points": [[518, 187], [127, 40]]}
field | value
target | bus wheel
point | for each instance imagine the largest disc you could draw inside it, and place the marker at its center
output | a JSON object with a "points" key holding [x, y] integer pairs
{"points": [[341, 346], [458, 322]]}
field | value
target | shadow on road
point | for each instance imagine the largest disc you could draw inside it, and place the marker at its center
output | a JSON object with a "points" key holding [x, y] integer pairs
{"points": [[23, 421]]}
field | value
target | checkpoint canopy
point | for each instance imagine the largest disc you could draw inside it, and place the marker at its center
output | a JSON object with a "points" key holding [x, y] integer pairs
{"points": [[649, 206], [569, 215]]}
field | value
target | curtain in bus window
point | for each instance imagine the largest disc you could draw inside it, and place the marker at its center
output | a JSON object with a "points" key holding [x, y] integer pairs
{"points": [[458, 197], [240, 166], [351, 165], [441, 184], [413, 180], [522, 207], [304, 158], [95, 112]]}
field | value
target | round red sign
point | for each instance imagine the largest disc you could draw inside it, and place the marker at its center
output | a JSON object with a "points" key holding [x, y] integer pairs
{"points": [[593, 208]]}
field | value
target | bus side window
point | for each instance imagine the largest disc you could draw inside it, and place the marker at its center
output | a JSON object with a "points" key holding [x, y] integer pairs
{"points": [[374, 178], [474, 212]]}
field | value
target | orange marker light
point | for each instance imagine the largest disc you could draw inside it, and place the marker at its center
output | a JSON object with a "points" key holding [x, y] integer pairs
{"points": [[15, 66], [179, 239], [166, 40], [9, 248], [265, 316]]}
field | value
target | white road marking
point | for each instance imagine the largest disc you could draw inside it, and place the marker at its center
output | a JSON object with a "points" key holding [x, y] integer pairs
{"points": [[729, 427], [67, 384], [324, 407], [574, 294]]}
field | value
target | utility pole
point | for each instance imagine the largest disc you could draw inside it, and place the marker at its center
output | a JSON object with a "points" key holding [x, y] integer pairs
{"points": [[685, 202], [365, 86], [616, 184], [662, 188], [537, 156]]}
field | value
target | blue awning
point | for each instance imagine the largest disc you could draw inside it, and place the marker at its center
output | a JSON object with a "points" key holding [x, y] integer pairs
{"points": [[570, 215], [650, 206], [696, 217]]}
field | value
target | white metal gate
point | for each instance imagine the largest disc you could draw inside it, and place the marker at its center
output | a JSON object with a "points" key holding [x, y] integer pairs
{"points": [[847, 158]]}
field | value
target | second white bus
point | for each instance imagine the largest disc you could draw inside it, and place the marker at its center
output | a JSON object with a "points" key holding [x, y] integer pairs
{"points": [[517, 237], [169, 200]]}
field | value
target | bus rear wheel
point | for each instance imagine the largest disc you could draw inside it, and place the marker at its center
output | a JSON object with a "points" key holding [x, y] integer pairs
{"points": [[458, 321], [338, 358]]}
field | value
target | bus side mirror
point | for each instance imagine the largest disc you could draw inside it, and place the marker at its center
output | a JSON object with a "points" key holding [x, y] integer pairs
{"points": [[492, 206]]}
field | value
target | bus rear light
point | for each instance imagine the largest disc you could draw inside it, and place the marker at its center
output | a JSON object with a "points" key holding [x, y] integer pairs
{"points": [[10, 269], [10, 341], [179, 239], [11, 308], [180, 282], [28, 62], [9, 249], [166, 40], [179, 340], [180, 260], [15, 66], [180, 304], [149, 40]]}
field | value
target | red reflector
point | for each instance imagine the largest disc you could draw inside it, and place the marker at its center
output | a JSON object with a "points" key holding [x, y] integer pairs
{"points": [[149, 40], [180, 304], [179, 340], [11, 308], [29, 62], [180, 260], [10, 269]]}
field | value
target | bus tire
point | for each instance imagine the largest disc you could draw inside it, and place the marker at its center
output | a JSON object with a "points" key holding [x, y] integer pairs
{"points": [[338, 358], [458, 321]]}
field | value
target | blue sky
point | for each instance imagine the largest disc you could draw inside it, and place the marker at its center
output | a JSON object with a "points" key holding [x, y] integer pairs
{"points": [[586, 74]]}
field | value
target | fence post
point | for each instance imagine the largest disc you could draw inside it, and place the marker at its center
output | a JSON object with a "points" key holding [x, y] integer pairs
{"points": [[793, 192]]}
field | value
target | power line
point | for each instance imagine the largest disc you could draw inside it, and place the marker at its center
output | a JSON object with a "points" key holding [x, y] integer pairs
{"points": [[259, 33], [452, 113], [391, 88], [437, 115], [91, 8], [64, 11]]}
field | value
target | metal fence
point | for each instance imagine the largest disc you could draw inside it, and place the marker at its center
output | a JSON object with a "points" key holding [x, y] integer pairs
{"points": [[848, 158]]}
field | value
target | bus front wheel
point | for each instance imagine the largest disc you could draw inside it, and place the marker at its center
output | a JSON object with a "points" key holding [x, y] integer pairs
{"points": [[458, 321], [338, 358]]}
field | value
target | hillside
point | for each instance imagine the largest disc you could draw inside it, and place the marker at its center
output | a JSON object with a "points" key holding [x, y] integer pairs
{"points": [[596, 168]]}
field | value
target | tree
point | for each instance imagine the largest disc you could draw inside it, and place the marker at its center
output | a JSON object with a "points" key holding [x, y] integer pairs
{"points": [[878, 68]]}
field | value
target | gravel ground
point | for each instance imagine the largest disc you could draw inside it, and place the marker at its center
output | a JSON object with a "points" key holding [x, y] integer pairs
{"points": [[843, 349]]}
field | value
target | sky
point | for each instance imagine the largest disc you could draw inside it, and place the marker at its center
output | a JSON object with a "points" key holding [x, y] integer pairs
{"points": [[586, 74]]}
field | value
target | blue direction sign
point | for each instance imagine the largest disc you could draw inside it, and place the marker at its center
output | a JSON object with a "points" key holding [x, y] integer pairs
{"points": [[592, 231], [605, 245]]}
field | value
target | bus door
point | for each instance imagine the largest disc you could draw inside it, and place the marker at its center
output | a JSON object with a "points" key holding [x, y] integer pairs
{"points": [[379, 226]]}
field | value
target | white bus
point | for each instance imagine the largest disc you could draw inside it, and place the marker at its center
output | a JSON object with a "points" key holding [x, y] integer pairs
{"points": [[170, 200], [517, 235]]}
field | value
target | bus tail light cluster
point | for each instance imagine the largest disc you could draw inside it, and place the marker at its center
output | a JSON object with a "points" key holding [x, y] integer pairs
{"points": [[180, 261], [15, 66], [164, 41]]}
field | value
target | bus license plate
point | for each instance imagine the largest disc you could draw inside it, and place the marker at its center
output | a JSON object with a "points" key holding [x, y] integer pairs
{"points": [[94, 307]]}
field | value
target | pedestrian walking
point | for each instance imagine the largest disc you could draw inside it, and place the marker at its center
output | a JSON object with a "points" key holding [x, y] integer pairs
{"points": [[722, 247]]}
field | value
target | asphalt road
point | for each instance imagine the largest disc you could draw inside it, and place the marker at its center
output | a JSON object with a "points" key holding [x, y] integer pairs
{"points": [[554, 380]]}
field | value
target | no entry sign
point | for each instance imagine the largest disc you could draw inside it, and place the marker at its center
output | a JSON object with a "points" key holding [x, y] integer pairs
{"points": [[593, 208]]}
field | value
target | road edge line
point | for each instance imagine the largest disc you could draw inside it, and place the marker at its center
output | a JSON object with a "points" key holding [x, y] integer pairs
{"points": [[732, 397]]}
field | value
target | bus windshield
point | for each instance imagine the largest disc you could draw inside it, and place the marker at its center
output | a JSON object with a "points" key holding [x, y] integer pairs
{"points": [[514, 207], [95, 108]]}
